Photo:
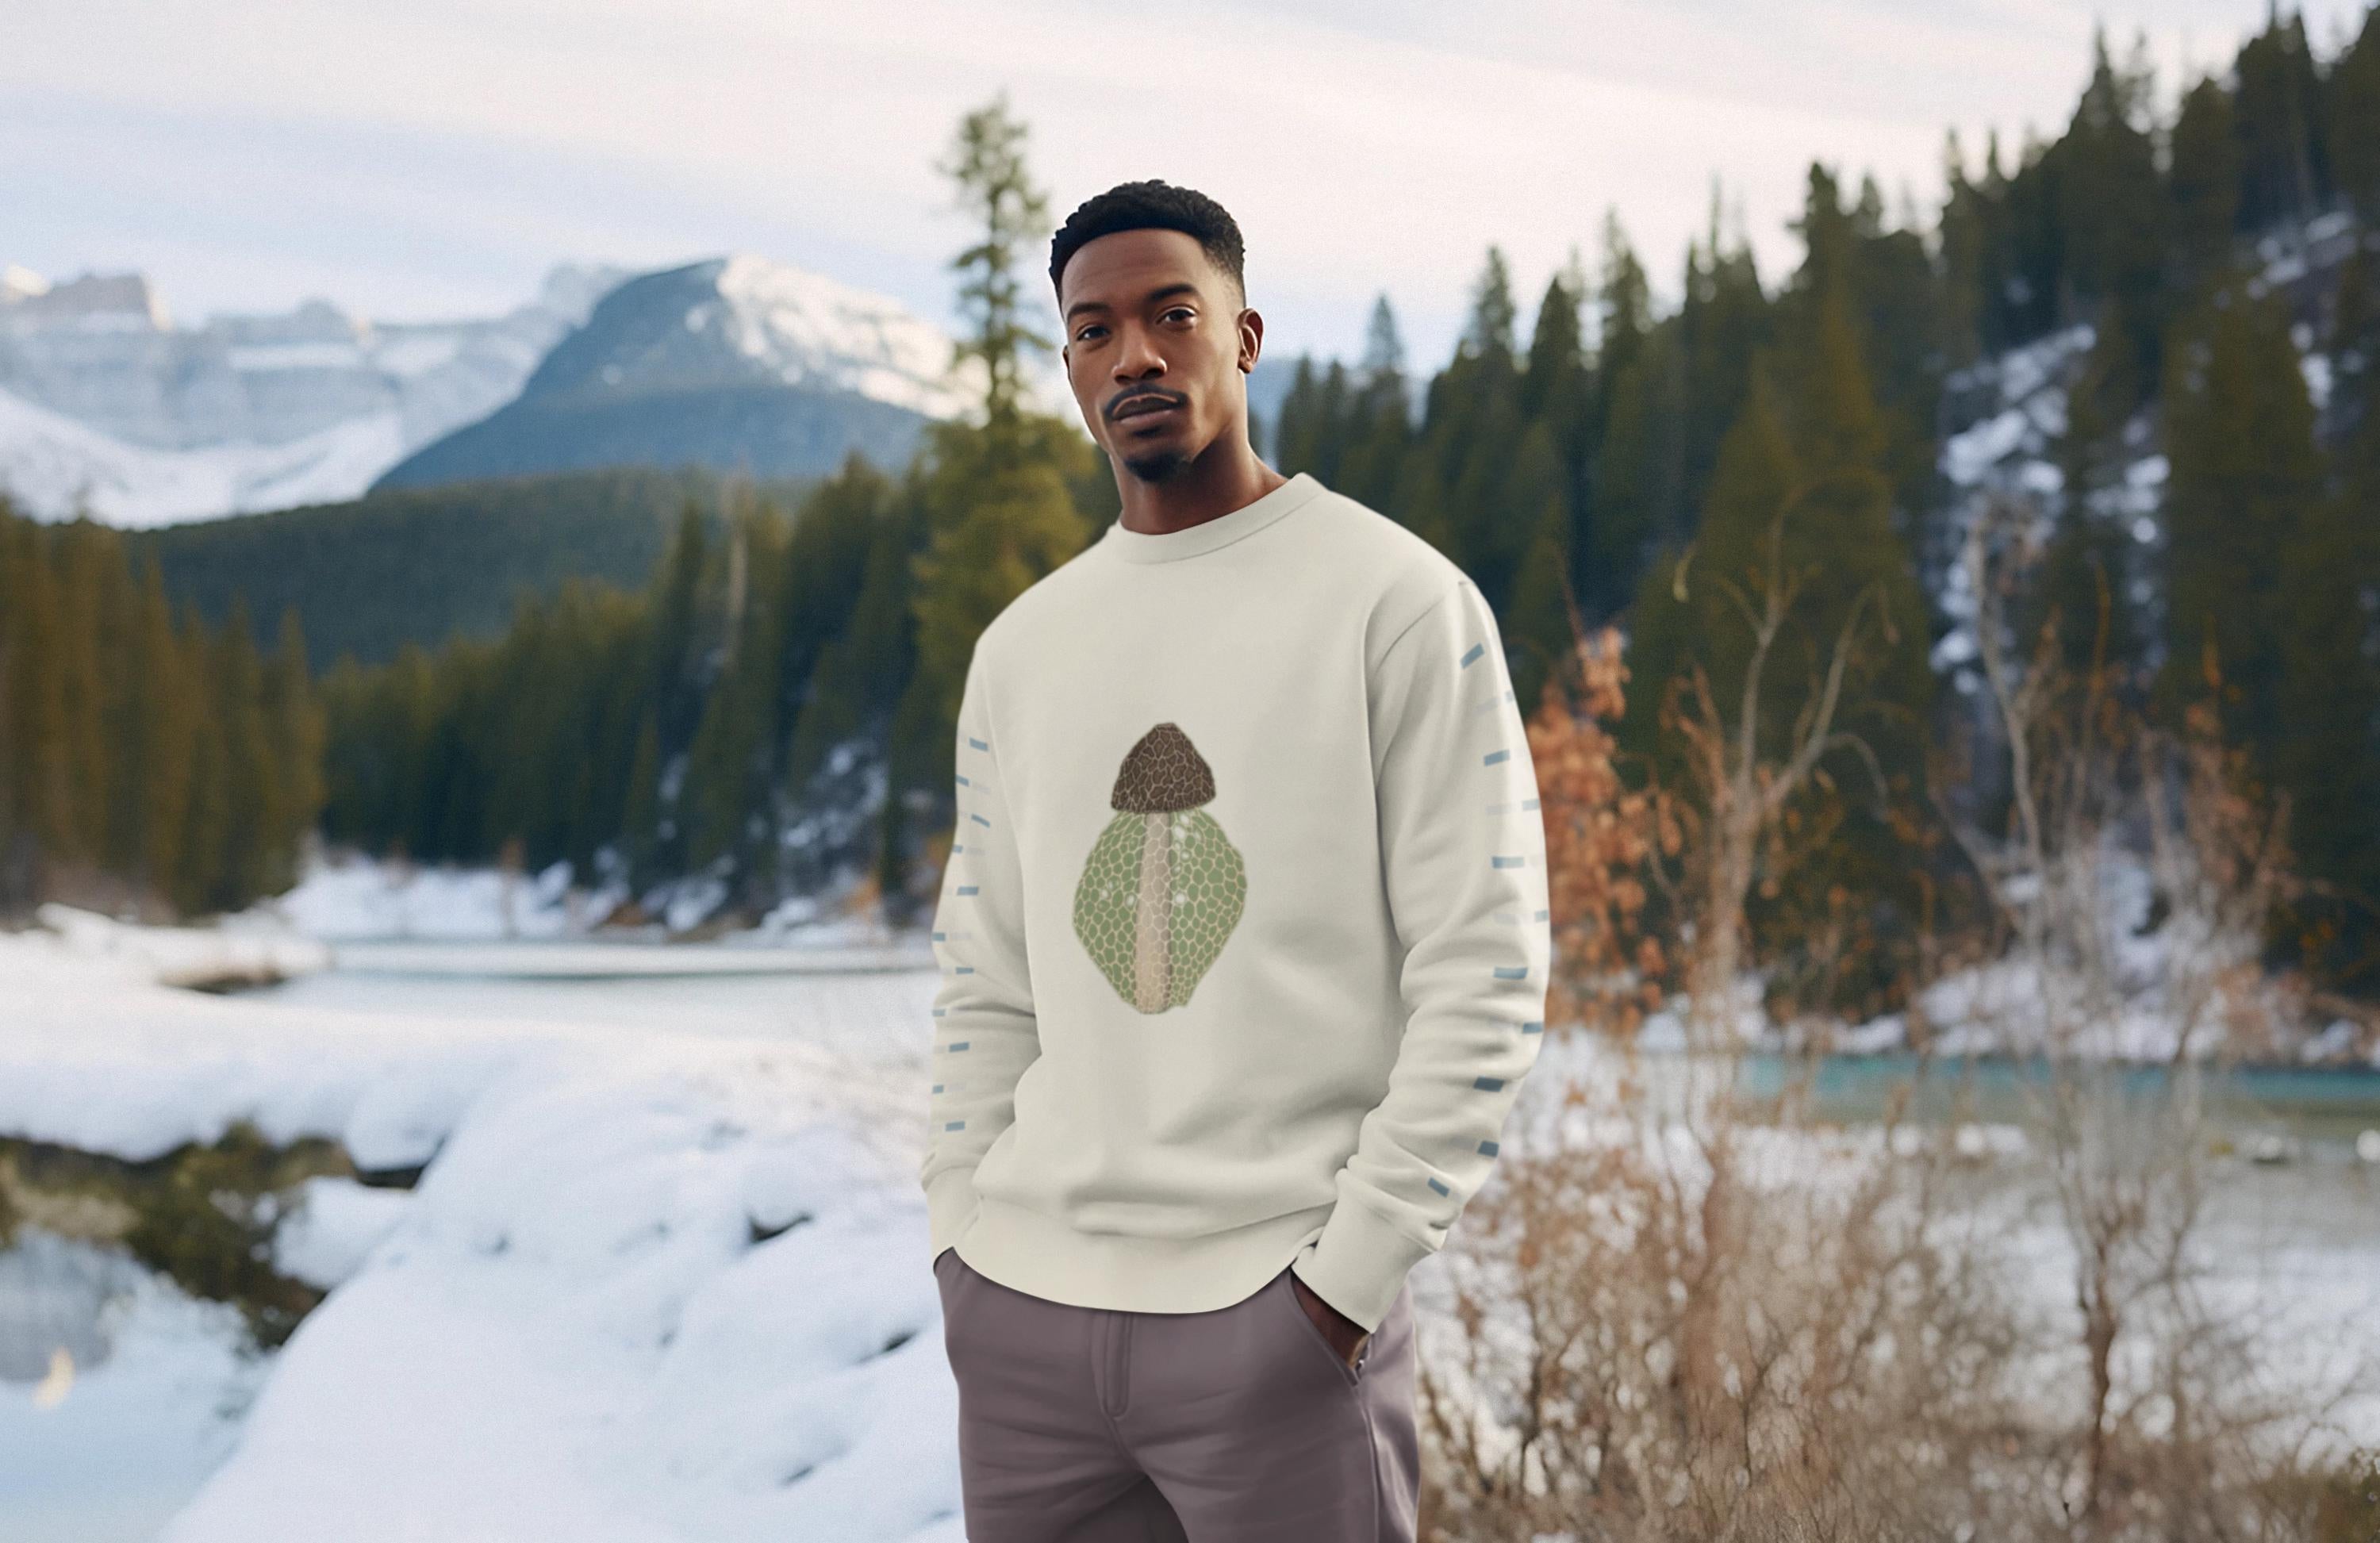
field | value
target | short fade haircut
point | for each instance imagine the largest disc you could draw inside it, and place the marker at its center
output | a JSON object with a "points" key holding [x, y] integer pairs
{"points": [[1152, 206]]}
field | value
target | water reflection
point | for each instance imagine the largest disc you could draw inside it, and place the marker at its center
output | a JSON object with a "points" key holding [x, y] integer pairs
{"points": [[141, 1304], [119, 1392]]}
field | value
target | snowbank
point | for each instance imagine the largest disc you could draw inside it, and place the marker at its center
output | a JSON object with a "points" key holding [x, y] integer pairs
{"points": [[344, 897], [252, 951]]}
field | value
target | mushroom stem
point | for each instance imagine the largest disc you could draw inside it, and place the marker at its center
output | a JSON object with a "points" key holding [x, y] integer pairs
{"points": [[1152, 963]]}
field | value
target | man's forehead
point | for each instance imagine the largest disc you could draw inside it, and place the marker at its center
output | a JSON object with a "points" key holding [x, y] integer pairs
{"points": [[1126, 265]]}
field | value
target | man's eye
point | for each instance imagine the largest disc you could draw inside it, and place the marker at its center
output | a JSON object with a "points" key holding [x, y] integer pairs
{"points": [[1182, 311]]}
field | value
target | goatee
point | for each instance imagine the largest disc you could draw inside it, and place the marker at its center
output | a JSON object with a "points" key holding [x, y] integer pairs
{"points": [[1160, 465]]}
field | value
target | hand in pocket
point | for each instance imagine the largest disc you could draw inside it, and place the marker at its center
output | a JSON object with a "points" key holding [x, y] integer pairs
{"points": [[1345, 1337]]}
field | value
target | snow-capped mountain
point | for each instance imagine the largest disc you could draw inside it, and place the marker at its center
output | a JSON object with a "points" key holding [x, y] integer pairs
{"points": [[742, 317], [107, 403], [737, 363]]}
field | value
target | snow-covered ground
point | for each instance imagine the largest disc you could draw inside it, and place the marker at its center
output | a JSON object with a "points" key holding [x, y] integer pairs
{"points": [[655, 1285]]}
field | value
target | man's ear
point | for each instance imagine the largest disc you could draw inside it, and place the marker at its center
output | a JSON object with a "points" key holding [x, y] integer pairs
{"points": [[1251, 340]]}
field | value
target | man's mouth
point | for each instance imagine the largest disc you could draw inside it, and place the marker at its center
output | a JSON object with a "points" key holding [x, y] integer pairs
{"points": [[1141, 407]]}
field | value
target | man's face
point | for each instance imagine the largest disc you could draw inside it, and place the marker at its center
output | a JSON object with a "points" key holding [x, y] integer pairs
{"points": [[1156, 346]]}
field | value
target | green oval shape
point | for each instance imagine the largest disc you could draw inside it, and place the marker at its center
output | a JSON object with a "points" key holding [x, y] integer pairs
{"points": [[1210, 890]]}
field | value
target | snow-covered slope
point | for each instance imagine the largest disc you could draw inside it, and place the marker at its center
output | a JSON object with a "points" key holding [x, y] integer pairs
{"points": [[52, 465], [107, 403]]}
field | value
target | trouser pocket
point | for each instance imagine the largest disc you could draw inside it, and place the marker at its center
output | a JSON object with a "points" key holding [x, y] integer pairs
{"points": [[1311, 1331]]}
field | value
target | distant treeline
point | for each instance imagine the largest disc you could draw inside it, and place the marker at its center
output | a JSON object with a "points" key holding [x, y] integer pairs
{"points": [[139, 746], [423, 565]]}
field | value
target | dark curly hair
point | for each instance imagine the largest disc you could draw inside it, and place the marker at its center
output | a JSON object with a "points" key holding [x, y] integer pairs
{"points": [[1153, 206]]}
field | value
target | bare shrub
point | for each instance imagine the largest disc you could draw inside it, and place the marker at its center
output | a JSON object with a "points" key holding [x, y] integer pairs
{"points": [[2177, 1410], [1677, 1324], [1671, 1320]]}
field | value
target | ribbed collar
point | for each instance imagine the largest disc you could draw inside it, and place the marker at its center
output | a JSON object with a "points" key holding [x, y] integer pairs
{"points": [[1140, 546]]}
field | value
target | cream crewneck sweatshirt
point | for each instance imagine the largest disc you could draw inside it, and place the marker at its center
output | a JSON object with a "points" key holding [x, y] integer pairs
{"points": [[1244, 933]]}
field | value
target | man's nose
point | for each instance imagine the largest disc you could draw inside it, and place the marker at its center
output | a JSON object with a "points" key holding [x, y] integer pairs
{"points": [[1138, 359]]}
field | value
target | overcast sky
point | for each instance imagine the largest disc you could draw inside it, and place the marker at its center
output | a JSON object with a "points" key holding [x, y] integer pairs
{"points": [[436, 157]]}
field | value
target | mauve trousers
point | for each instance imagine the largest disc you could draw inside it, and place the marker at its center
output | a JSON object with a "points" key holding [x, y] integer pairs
{"points": [[1242, 1424]]}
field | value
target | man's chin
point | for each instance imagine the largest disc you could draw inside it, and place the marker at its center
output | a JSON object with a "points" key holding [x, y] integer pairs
{"points": [[1157, 466]]}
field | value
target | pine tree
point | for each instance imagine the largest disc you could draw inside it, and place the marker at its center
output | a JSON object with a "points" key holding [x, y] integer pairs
{"points": [[80, 562], [1381, 428], [2204, 184], [731, 765], [640, 820], [46, 793], [1962, 235], [2352, 101], [1493, 313], [293, 718], [2238, 437], [1554, 380], [2352, 346], [851, 677], [2084, 587], [987, 162], [998, 531], [1538, 632], [1638, 479], [17, 841], [160, 723], [1623, 304], [1471, 433], [1297, 427], [207, 833], [2113, 205], [677, 630], [1384, 351], [999, 505], [254, 794], [2284, 171], [1315, 422], [2327, 758]]}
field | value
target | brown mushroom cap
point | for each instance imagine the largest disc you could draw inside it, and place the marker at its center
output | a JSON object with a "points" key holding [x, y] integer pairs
{"points": [[1161, 774]]}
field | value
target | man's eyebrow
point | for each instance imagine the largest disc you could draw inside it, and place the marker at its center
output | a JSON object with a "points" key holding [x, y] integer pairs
{"points": [[1181, 286]]}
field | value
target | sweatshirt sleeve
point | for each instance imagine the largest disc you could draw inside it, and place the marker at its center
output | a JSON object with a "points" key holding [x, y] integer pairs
{"points": [[984, 1031], [1463, 849]]}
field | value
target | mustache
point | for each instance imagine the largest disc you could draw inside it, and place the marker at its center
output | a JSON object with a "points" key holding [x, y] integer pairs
{"points": [[1129, 393]]}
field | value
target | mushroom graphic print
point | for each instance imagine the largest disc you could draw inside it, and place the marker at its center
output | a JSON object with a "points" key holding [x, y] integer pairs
{"points": [[1164, 886]]}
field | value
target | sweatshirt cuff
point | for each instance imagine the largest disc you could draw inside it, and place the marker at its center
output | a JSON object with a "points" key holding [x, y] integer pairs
{"points": [[1358, 1263], [949, 1207]]}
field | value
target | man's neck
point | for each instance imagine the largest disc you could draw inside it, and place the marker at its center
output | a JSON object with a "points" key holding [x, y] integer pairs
{"points": [[1228, 476]]}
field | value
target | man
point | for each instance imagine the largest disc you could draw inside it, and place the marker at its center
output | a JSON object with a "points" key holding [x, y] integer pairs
{"points": [[1243, 941]]}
